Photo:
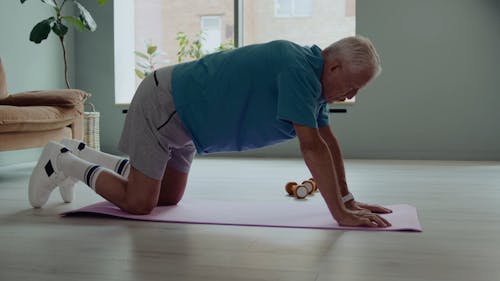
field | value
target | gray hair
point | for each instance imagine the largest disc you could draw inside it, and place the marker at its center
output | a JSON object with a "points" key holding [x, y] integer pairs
{"points": [[358, 52]]}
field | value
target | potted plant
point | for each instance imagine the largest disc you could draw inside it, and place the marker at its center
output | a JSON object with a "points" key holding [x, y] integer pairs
{"points": [[148, 61], [59, 25]]}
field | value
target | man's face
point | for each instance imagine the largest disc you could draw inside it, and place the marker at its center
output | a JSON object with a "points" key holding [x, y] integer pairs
{"points": [[339, 83]]}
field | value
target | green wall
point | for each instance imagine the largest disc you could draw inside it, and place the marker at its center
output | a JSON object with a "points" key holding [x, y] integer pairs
{"points": [[95, 73], [30, 66], [437, 97]]}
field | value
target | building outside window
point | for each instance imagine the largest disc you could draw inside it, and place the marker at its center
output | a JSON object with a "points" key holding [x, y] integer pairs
{"points": [[211, 27], [292, 8]]}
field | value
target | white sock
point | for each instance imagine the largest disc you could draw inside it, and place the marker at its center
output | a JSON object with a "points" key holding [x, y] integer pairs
{"points": [[118, 164], [80, 169]]}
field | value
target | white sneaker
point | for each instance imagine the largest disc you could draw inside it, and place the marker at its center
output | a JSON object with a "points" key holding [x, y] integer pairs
{"points": [[67, 187], [74, 145], [46, 175]]}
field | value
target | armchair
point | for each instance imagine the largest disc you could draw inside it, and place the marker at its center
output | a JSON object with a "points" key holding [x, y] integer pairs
{"points": [[32, 119]]}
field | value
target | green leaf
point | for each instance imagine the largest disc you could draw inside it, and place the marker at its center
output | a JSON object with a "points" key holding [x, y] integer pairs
{"points": [[139, 74], [75, 22], [158, 54], [140, 54], [180, 35], [152, 49], [86, 18], [143, 65], [101, 2], [50, 2], [59, 29], [41, 30]]}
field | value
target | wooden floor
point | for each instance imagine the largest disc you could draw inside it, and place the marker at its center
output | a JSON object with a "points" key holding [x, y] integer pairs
{"points": [[458, 204]]}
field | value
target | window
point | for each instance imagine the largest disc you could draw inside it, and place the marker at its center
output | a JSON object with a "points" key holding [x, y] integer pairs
{"points": [[160, 22], [327, 22], [350, 8], [211, 28], [292, 8]]}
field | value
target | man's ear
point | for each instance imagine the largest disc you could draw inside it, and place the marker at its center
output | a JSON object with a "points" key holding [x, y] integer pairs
{"points": [[334, 65]]}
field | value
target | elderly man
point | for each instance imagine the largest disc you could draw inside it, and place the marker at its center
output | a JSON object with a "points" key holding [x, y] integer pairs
{"points": [[236, 100]]}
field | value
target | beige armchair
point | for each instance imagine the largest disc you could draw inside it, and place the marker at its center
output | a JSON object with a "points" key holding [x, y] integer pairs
{"points": [[32, 119]]}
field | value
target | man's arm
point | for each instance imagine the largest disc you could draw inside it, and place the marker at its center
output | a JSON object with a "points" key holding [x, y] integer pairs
{"points": [[338, 161], [319, 160], [336, 154]]}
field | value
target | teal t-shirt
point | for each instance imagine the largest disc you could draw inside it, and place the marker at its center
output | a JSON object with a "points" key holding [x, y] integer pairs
{"points": [[250, 97]]}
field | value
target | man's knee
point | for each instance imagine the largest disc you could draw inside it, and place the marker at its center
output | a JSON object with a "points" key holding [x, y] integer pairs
{"points": [[172, 187], [140, 207], [142, 193]]}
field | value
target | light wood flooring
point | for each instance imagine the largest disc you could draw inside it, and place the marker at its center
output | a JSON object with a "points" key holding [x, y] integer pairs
{"points": [[458, 205]]}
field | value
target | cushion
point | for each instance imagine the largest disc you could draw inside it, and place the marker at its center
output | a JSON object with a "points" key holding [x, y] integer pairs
{"points": [[62, 98], [3, 83], [35, 118]]}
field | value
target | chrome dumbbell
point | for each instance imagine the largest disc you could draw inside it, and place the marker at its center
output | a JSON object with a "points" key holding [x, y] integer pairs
{"points": [[300, 191]]}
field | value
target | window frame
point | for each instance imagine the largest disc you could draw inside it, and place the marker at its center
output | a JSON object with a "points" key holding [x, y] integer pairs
{"points": [[124, 45]]}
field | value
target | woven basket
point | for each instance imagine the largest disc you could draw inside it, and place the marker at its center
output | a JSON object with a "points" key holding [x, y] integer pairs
{"points": [[91, 128]]}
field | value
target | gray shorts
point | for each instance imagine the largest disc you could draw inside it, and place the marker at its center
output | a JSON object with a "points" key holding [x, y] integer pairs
{"points": [[153, 135]]}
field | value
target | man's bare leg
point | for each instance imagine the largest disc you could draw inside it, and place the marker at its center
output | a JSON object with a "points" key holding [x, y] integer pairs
{"points": [[173, 186], [137, 195]]}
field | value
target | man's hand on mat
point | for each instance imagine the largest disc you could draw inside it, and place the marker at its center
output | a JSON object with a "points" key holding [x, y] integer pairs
{"points": [[354, 205], [363, 218]]}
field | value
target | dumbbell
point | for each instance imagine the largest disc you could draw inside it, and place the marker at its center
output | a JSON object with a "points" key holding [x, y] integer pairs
{"points": [[311, 186], [315, 185], [298, 190]]}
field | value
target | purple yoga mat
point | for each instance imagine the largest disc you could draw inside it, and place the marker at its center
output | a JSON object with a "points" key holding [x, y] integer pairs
{"points": [[287, 213]]}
